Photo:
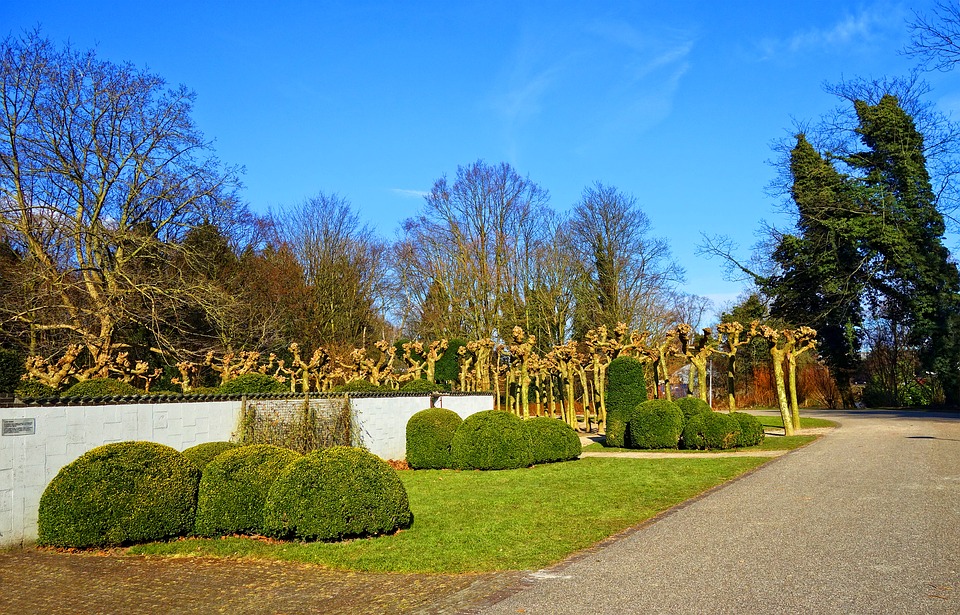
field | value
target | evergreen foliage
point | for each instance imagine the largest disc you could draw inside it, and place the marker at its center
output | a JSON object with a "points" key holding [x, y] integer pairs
{"points": [[11, 370], [626, 388], [691, 406], [33, 389], [117, 494], [714, 430], [491, 440], [656, 423], [204, 453], [447, 368], [336, 493], [429, 434], [420, 386], [101, 387], [751, 429], [361, 386], [234, 487], [246, 384], [552, 440]]}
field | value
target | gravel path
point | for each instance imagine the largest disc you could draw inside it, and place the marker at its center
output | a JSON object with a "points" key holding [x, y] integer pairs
{"points": [[866, 520]]}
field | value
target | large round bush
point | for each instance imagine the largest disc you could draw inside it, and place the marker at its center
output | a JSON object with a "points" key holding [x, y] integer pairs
{"points": [[552, 440], [361, 386], [234, 488], [336, 493], [101, 387], [249, 384], [714, 430], [429, 433], [491, 440], [202, 454], [691, 406], [120, 493], [419, 386], [656, 423], [751, 429], [626, 388]]}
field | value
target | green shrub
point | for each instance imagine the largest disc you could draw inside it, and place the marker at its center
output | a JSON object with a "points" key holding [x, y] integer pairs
{"points": [[11, 370], [626, 388], [234, 487], [34, 389], [491, 440], [336, 493], [248, 384], [361, 386], [751, 429], [429, 433], [656, 423], [692, 405], [120, 493], [447, 367], [714, 430], [419, 386], [101, 387], [552, 440], [202, 454]]}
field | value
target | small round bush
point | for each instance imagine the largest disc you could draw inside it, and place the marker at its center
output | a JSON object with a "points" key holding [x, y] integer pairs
{"points": [[202, 454], [117, 494], [11, 370], [101, 387], [656, 423], [692, 405], [626, 388], [234, 487], [248, 384], [491, 440], [360, 386], [429, 433], [714, 430], [418, 386], [751, 429], [552, 440], [336, 493], [34, 389]]}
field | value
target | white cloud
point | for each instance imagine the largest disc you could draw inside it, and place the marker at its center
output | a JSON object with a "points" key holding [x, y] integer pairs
{"points": [[851, 30], [410, 194]]}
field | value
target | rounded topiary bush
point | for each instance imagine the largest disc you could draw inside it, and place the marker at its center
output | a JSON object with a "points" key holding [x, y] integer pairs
{"points": [[101, 387], [34, 389], [120, 493], [336, 493], [360, 386], [234, 487], [429, 433], [751, 429], [626, 388], [491, 440], [248, 384], [552, 440], [656, 423], [419, 386], [691, 406], [713, 430], [202, 454]]}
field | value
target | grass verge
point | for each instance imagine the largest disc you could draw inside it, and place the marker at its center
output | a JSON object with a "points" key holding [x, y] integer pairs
{"points": [[504, 520]]}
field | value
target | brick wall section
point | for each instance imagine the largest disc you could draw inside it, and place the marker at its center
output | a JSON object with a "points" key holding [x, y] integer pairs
{"points": [[63, 433]]}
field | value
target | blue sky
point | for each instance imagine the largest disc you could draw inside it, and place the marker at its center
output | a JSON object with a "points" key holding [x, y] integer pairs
{"points": [[675, 103]]}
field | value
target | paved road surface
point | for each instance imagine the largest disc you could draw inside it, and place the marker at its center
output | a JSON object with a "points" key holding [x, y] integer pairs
{"points": [[866, 520]]}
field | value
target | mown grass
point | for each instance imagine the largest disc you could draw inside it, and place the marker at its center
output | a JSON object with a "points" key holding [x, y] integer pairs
{"points": [[504, 520], [806, 422]]}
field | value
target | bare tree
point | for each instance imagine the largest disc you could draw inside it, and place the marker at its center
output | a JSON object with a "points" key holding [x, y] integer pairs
{"points": [[936, 38], [102, 171], [627, 275]]}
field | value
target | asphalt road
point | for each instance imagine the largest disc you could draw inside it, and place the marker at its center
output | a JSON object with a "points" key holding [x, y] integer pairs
{"points": [[866, 520]]}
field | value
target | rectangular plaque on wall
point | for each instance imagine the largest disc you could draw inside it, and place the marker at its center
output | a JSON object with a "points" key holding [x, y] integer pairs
{"points": [[19, 427]]}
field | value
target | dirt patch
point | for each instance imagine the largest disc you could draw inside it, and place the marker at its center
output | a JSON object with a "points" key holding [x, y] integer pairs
{"points": [[44, 582]]}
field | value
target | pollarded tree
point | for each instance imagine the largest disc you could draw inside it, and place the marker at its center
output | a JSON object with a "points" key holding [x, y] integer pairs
{"points": [[102, 171]]}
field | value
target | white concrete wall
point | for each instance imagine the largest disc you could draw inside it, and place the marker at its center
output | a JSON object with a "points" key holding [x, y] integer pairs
{"points": [[62, 433]]}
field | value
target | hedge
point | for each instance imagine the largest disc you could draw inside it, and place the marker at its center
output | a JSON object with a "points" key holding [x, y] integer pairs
{"points": [[552, 440], [491, 440], [101, 387], [202, 454], [714, 430], [691, 406], [626, 388], [429, 434], [234, 488], [35, 389], [751, 429], [336, 493], [252, 383], [117, 494], [656, 423]]}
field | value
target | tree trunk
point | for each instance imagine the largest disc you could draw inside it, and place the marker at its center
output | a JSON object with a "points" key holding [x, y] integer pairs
{"points": [[777, 356]]}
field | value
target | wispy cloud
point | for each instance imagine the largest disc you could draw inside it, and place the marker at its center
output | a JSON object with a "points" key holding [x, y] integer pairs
{"points": [[851, 30], [410, 194]]}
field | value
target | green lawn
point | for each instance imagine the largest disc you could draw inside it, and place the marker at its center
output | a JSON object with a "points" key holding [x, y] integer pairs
{"points": [[503, 520], [805, 422]]}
